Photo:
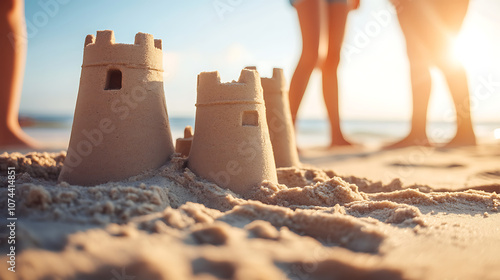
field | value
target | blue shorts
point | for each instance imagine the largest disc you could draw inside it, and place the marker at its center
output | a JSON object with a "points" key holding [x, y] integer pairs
{"points": [[327, 1]]}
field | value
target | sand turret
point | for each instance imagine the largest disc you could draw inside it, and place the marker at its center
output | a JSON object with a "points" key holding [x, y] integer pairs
{"points": [[120, 127], [231, 144], [279, 119], [183, 145]]}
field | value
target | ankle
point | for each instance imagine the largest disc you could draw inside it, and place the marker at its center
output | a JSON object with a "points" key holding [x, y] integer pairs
{"points": [[10, 128], [417, 134]]}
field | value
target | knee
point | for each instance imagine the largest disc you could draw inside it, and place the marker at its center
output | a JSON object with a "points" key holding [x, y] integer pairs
{"points": [[448, 64], [419, 66], [309, 59], [7, 6], [331, 62], [420, 70], [420, 73], [10, 7], [419, 60]]}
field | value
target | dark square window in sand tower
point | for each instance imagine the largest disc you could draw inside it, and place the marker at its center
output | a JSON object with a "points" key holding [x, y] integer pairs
{"points": [[113, 79], [250, 118]]}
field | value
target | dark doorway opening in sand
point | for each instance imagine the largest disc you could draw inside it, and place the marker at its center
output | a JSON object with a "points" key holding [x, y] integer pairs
{"points": [[114, 79]]}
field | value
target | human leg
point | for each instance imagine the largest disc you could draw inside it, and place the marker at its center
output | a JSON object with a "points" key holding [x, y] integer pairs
{"points": [[451, 15], [421, 92], [309, 13], [13, 56], [457, 83], [413, 25], [337, 16]]}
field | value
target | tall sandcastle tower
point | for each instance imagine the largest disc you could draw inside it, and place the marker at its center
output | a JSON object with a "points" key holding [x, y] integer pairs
{"points": [[231, 144], [120, 127], [279, 119]]}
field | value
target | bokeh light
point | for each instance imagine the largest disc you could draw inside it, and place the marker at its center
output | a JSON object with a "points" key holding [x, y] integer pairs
{"points": [[497, 133]]}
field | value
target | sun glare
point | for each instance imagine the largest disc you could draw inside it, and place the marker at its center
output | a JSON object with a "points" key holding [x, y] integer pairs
{"points": [[497, 133], [470, 48]]}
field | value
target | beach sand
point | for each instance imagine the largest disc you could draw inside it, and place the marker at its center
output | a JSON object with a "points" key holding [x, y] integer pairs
{"points": [[415, 213]]}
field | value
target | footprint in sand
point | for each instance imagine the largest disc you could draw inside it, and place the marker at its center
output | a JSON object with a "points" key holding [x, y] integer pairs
{"points": [[441, 166], [490, 174]]}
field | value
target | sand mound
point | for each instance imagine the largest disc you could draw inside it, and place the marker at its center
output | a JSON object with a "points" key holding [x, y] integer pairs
{"points": [[170, 224]]}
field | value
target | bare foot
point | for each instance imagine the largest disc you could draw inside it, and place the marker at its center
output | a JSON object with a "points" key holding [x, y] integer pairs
{"points": [[339, 142], [461, 141], [409, 141], [17, 139]]}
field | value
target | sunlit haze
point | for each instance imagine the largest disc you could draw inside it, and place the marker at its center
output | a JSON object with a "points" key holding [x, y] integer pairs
{"points": [[497, 133], [374, 78]]}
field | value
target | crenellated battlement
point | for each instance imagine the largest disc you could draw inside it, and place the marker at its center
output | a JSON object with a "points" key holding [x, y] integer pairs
{"points": [[231, 145], [146, 52], [274, 85], [120, 127], [279, 119], [247, 89]]}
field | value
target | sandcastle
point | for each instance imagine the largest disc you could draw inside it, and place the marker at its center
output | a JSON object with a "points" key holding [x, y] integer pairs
{"points": [[121, 126], [231, 144], [279, 119]]}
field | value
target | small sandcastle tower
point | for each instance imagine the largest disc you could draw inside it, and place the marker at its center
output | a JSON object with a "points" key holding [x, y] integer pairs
{"points": [[183, 145], [120, 127], [279, 119], [231, 144]]}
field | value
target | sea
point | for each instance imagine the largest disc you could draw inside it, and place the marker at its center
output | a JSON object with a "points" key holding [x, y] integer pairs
{"points": [[55, 131]]}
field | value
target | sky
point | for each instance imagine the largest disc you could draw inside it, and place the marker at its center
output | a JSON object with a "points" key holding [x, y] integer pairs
{"points": [[227, 35]]}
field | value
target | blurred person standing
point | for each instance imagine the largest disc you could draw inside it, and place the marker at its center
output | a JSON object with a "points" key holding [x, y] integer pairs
{"points": [[429, 28], [322, 24], [13, 43]]}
